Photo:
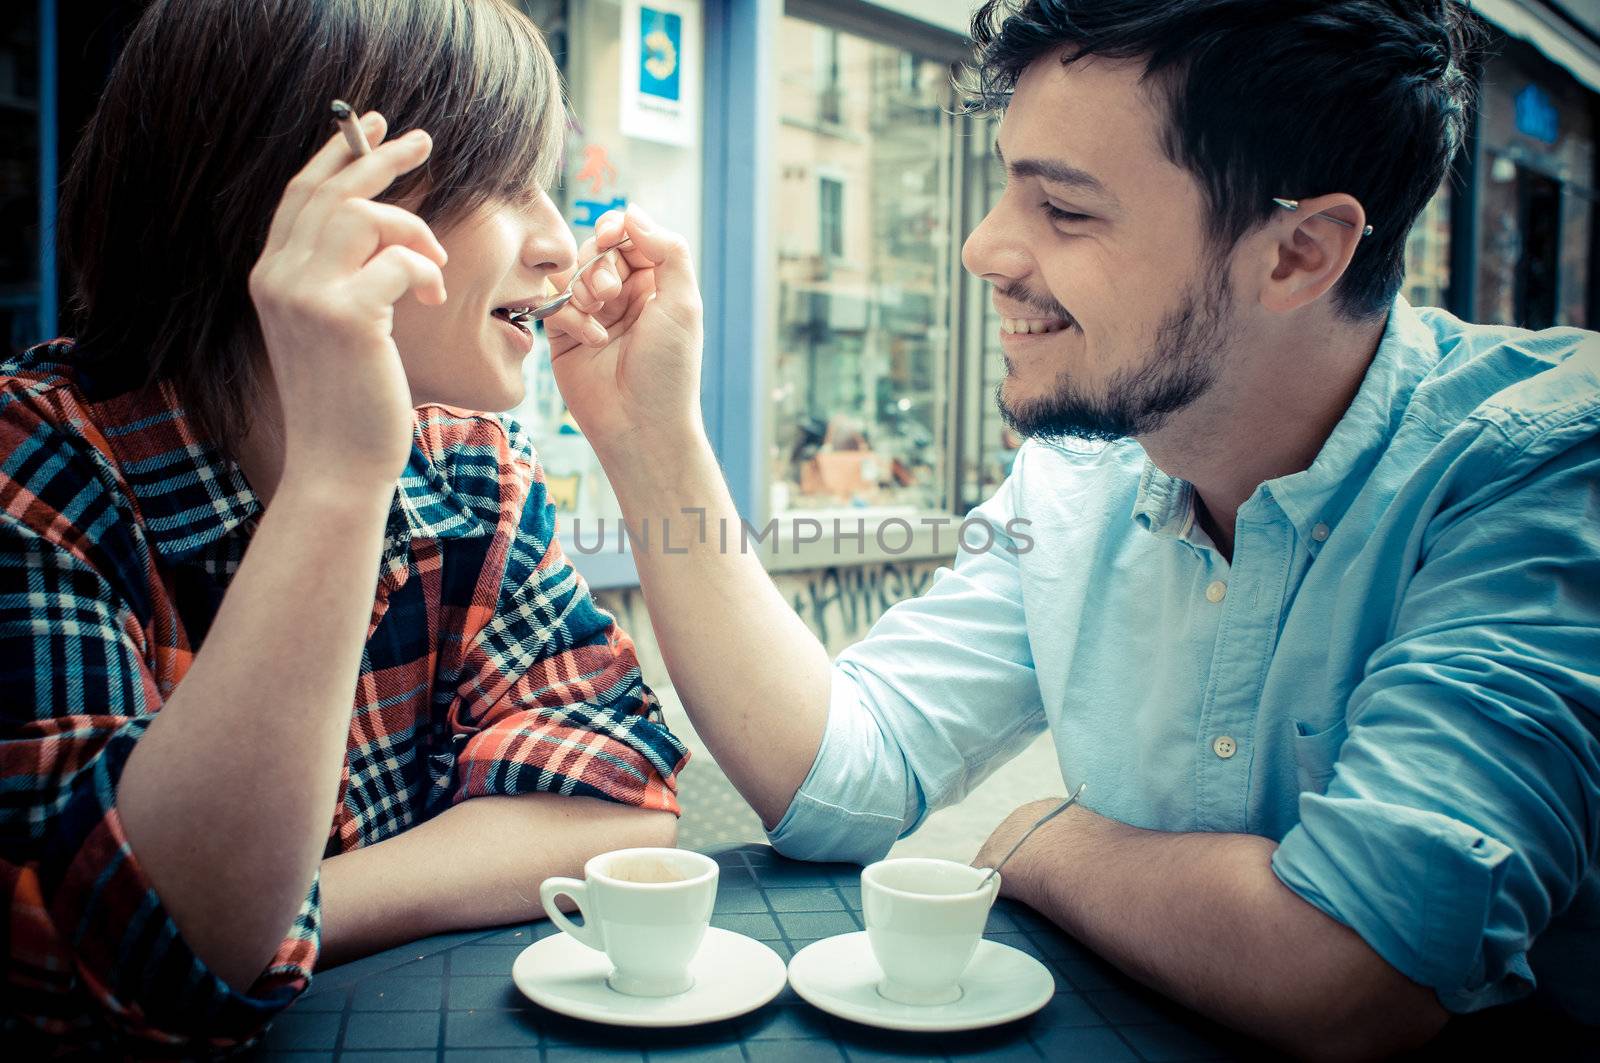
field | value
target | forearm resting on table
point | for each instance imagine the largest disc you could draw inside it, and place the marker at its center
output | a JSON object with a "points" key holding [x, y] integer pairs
{"points": [[227, 797], [752, 677], [478, 863], [1202, 918]]}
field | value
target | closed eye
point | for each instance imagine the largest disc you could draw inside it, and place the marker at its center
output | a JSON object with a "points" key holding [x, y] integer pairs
{"points": [[1055, 213]]}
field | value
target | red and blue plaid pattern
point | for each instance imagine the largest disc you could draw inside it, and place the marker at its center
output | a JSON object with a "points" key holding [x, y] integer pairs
{"points": [[488, 669]]}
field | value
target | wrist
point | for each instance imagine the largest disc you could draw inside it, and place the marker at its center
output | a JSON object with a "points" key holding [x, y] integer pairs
{"points": [[658, 464], [334, 496]]}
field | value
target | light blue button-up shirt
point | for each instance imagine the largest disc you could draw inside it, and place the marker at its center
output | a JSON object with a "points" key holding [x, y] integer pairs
{"points": [[1396, 678]]}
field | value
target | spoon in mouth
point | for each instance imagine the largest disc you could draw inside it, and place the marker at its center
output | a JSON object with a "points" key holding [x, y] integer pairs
{"points": [[546, 309], [1041, 821]]}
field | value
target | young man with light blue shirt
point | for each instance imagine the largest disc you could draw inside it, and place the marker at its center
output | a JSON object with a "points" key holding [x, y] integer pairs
{"points": [[1303, 581]]}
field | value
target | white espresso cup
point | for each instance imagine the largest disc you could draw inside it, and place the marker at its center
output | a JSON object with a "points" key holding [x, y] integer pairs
{"points": [[924, 921], [646, 909]]}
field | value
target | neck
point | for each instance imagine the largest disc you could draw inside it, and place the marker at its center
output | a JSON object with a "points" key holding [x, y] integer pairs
{"points": [[260, 450], [1280, 395]]}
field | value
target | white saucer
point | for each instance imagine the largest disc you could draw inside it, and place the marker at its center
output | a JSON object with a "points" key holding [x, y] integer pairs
{"points": [[733, 975], [840, 976]]}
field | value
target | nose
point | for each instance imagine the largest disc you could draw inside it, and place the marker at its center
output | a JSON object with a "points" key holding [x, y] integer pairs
{"points": [[549, 247], [993, 251]]}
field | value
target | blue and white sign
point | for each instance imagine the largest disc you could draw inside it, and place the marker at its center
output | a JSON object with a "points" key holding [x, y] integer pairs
{"points": [[1537, 115], [661, 69], [660, 46]]}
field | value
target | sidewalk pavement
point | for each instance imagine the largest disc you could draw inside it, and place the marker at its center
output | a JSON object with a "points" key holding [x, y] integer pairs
{"points": [[714, 814]]}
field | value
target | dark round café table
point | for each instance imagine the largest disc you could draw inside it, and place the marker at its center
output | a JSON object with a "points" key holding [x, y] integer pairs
{"points": [[450, 998]]}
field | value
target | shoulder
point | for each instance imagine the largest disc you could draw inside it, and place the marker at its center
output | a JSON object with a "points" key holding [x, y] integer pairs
{"points": [[57, 472], [1075, 473], [1523, 391]]}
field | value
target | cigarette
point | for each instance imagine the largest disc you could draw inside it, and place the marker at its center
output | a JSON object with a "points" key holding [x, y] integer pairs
{"points": [[345, 115]]}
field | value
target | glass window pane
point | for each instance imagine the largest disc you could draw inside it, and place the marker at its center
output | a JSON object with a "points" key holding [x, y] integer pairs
{"points": [[1428, 253], [864, 231], [991, 446]]}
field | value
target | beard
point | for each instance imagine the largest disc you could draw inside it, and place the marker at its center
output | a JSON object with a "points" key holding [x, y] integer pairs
{"points": [[1183, 363]]}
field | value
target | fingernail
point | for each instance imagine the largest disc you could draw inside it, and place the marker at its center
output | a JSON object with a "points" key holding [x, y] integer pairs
{"points": [[640, 222], [597, 333]]}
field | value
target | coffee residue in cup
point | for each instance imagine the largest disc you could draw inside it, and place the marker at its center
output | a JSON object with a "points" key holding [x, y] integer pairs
{"points": [[645, 871]]}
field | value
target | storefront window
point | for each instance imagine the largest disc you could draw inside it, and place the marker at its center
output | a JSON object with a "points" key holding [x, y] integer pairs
{"points": [[1427, 280], [606, 168], [864, 224], [990, 447]]}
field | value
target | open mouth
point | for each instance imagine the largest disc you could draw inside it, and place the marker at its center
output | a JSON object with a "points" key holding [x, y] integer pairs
{"points": [[1033, 326], [515, 316]]}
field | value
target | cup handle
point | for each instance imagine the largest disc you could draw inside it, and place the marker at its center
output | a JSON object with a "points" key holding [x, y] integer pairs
{"points": [[551, 888]]}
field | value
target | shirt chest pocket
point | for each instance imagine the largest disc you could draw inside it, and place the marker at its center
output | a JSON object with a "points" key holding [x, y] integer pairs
{"points": [[1316, 752]]}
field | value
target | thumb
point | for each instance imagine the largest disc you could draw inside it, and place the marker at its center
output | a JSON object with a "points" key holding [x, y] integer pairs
{"points": [[666, 252]]}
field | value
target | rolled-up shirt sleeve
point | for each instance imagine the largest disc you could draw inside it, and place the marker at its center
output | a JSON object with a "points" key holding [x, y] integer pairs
{"points": [[940, 692], [1463, 814], [549, 697], [94, 961]]}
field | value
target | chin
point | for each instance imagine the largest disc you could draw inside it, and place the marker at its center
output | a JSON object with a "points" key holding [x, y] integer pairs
{"points": [[486, 397]]}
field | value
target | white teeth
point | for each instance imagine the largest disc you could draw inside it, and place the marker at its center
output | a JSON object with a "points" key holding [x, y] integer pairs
{"points": [[1017, 326]]}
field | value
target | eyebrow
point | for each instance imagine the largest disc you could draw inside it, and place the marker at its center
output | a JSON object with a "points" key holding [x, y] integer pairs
{"points": [[1057, 173]]}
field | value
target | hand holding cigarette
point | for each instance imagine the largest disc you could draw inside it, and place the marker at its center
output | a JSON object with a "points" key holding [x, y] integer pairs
{"points": [[324, 288]]}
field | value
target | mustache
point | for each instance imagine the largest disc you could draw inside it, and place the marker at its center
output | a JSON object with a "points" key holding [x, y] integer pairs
{"points": [[1044, 304]]}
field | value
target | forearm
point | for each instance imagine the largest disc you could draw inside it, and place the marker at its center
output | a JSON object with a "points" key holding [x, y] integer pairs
{"points": [[1202, 918], [227, 798], [736, 651], [479, 863]]}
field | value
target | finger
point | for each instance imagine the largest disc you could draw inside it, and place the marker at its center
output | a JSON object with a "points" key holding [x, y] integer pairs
{"points": [[630, 305], [669, 252], [361, 227], [329, 159], [578, 324], [610, 228], [364, 178], [392, 273], [596, 286]]}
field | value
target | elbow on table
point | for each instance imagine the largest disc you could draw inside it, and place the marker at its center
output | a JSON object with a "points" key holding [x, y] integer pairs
{"points": [[1358, 1027], [644, 829]]}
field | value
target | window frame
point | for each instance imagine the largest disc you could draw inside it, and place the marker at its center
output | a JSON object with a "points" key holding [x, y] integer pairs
{"points": [[927, 542]]}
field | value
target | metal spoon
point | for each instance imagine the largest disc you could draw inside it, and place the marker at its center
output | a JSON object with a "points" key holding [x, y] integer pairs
{"points": [[544, 310], [1041, 821]]}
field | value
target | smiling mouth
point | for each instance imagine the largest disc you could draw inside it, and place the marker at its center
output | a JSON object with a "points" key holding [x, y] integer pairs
{"points": [[1033, 326]]}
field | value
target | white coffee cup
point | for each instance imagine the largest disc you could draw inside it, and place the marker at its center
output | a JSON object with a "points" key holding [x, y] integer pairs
{"points": [[646, 909], [924, 921]]}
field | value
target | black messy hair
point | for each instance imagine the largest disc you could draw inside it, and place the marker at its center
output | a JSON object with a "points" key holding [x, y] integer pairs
{"points": [[1265, 98]]}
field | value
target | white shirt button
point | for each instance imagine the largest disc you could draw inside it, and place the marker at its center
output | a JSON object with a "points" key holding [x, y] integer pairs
{"points": [[1216, 591], [1224, 746], [1320, 532]]}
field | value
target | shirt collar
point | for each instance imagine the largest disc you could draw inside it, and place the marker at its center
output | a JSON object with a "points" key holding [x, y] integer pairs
{"points": [[191, 495], [1164, 504], [1313, 495]]}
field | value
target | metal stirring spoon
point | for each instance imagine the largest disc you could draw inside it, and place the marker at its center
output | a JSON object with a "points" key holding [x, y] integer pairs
{"points": [[544, 310], [1041, 821]]}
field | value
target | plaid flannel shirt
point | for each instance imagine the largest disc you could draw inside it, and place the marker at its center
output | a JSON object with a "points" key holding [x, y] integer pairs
{"points": [[488, 669]]}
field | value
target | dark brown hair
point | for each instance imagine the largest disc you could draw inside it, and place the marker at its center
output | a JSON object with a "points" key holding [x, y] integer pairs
{"points": [[210, 110], [1269, 98]]}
